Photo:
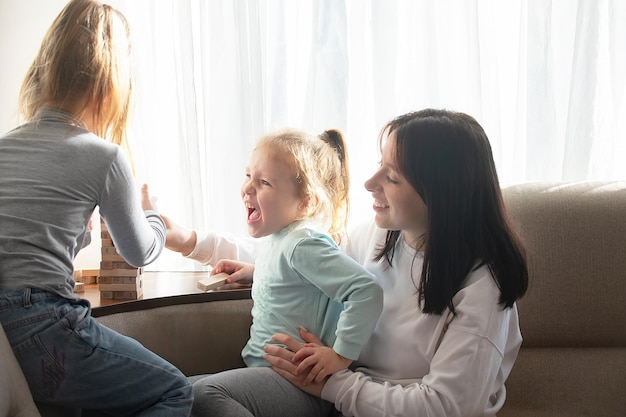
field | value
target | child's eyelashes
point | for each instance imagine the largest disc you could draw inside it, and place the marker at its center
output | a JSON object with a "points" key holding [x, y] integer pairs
{"points": [[259, 181]]}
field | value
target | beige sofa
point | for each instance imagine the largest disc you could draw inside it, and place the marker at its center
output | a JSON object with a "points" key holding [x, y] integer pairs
{"points": [[573, 358]]}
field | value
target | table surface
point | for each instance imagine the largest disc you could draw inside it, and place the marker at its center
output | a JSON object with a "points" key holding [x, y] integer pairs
{"points": [[155, 285]]}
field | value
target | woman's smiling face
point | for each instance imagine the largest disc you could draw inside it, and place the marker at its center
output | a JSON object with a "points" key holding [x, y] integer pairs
{"points": [[270, 193], [396, 203]]}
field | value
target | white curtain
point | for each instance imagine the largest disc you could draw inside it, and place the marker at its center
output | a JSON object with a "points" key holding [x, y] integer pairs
{"points": [[545, 78]]}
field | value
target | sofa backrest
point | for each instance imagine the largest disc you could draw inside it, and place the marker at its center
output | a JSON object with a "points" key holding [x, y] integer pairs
{"points": [[573, 357]]}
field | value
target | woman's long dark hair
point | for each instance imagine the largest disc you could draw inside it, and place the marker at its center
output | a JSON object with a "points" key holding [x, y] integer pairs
{"points": [[447, 158]]}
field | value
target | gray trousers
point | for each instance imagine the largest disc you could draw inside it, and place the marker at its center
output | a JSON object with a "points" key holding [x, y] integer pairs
{"points": [[254, 392]]}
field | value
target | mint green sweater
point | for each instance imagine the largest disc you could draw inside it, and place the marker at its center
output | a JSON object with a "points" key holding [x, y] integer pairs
{"points": [[302, 278]]}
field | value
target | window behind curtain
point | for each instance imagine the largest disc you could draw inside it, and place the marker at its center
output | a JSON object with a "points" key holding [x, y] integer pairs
{"points": [[544, 78]]}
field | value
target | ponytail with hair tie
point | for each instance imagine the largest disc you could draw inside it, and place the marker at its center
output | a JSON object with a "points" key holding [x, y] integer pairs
{"points": [[334, 137]]}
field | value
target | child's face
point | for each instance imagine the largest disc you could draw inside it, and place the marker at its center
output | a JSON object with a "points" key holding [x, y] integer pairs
{"points": [[269, 193], [396, 203]]}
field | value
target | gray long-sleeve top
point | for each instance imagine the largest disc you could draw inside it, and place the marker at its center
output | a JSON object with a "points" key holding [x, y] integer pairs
{"points": [[52, 176]]}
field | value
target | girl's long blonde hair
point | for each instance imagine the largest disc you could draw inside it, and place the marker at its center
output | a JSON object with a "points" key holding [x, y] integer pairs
{"points": [[84, 59], [322, 174]]}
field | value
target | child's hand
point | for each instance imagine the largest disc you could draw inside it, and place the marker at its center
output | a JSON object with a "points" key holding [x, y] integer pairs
{"points": [[319, 361], [240, 273], [147, 202], [179, 238]]}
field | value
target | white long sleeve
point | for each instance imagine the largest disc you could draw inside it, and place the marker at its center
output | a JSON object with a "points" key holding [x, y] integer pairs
{"points": [[400, 372], [211, 247]]}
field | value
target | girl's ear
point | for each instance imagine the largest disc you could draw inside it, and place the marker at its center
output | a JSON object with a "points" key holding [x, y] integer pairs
{"points": [[308, 204]]}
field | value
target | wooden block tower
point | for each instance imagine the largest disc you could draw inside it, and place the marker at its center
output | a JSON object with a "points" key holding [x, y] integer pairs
{"points": [[117, 279]]}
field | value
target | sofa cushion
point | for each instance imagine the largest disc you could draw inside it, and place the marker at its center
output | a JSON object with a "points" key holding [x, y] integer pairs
{"points": [[567, 382], [15, 396]]}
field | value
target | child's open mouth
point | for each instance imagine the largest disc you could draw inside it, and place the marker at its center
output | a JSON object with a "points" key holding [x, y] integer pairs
{"points": [[253, 213]]}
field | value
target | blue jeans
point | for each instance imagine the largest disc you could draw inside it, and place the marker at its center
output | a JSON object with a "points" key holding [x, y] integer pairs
{"points": [[70, 359]]}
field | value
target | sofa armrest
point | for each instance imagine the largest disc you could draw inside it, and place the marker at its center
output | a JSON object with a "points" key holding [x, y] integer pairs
{"points": [[15, 397], [197, 333]]}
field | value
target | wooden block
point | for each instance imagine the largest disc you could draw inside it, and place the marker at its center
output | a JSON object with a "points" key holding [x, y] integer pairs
{"points": [[106, 265], [118, 280], [116, 265], [107, 243], [78, 275], [137, 285], [213, 281], [89, 272], [110, 254], [112, 257], [86, 276], [121, 272], [120, 287], [89, 279], [79, 287], [121, 295], [104, 234], [108, 250]]}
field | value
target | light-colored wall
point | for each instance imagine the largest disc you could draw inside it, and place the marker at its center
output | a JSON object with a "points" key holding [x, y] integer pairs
{"points": [[23, 24]]}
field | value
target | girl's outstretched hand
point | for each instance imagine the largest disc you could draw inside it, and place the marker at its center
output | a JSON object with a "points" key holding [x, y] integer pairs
{"points": [[177, 238], [240, 273], [148, 202]]}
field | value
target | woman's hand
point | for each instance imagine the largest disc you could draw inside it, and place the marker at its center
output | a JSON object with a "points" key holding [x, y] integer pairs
{"points": [[318, 362], [240, 274], [282, 360]]}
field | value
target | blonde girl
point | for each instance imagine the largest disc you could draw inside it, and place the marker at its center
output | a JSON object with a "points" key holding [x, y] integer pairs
{"points": [[295, 196], [65, 160]]}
